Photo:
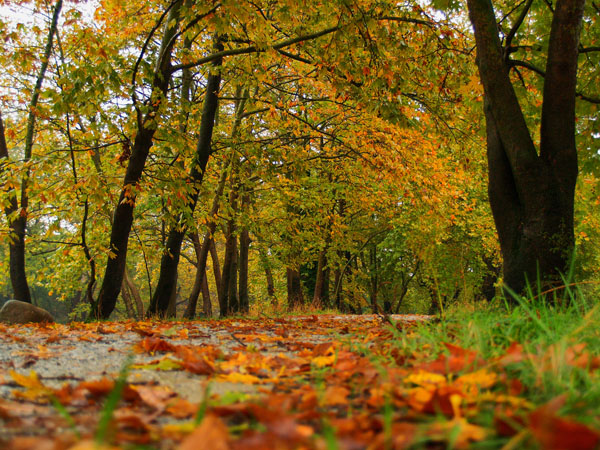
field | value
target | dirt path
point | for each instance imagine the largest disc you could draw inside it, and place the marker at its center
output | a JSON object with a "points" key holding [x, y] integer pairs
{"points": [[170, 364]]}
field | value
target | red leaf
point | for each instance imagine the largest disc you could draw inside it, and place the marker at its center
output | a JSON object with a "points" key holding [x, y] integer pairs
{"points": [[557, 433]]}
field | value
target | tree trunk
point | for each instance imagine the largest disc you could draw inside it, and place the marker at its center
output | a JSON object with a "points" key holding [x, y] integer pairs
{"points": [[337, 281], [17, 216], [374, 280], [234, 300], [206, 303], [266, 264], [229, 304], [127, 301], [190, 311], [216, 267], [123, 216], [406, 279], [295, 296], [321, 293], [531, 193], [135, 293], [488, 288], [171, 311], [170, 258], [243, 270], [208, 244]]}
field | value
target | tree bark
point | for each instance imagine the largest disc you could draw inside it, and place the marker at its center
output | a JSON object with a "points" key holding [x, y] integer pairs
{"points": [[321, 293], [295, 296], [190, 311], [229, 302], [135, 293], [214, 255], [264, 259], [171, 311], [243, 270], [206, 302], [127, 301], [531, 194], [170, 258], [123, 216]]}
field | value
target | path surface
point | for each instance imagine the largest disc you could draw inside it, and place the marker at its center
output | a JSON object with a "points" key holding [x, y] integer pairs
{"points": [[170, 365]]}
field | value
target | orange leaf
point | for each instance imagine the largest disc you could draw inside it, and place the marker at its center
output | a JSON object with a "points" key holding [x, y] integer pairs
{"points": [[336, 395], [154, 344], [212, 434]]}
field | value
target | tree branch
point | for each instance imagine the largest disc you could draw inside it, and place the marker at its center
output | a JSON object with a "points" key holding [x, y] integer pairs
{"points": [[513, 31], [254, 49]]}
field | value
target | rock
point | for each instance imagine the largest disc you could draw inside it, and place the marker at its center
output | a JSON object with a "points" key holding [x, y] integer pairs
{"points": [[15, 311]]}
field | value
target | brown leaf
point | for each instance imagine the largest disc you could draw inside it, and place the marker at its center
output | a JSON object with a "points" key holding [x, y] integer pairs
{"points": [[199, 367], [152, 344]]}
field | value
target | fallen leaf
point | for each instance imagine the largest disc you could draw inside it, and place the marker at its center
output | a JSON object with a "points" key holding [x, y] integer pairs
{"points": [[164, 364], [336, 396], [34, 389], [212, 434], [244, 378], [557, 433]]}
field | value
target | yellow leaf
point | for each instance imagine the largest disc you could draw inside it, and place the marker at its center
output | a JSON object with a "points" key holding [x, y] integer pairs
{"points": [[425, 379], [34, 389], [244, 378], [322, 361]]}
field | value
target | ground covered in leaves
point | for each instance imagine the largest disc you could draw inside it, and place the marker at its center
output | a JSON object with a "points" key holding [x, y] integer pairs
{"points": [[314, 382]]}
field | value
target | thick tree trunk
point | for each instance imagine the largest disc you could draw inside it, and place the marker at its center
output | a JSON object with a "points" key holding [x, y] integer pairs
{"points": [[170, 258], [171, 311], [123, 216], [295, 296], [531, 194]]}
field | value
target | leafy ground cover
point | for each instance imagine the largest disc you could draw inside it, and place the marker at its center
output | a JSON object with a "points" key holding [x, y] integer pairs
{"points": [[525, 377]]}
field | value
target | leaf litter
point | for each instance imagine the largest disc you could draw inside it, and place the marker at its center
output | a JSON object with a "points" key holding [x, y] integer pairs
{"points": [[308, 382]]}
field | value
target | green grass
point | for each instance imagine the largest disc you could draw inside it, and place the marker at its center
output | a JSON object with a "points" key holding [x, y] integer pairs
{"points": [[544, 326]]}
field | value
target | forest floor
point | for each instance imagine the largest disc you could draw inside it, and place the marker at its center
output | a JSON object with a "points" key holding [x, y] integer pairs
{"points": [[317, 381]]}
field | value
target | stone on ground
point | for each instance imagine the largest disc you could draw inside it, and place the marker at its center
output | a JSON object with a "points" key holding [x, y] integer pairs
{"points": [[15, 312]]}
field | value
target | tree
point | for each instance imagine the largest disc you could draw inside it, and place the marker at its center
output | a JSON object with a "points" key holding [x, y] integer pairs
{"points": [[123, 217], [170, 258], [16, 212], [531, 190]]}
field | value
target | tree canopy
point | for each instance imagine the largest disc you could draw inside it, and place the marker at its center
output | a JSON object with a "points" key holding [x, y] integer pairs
{"points": [[295, 153]]}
